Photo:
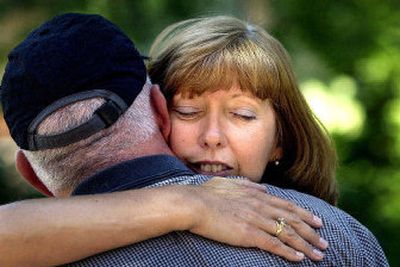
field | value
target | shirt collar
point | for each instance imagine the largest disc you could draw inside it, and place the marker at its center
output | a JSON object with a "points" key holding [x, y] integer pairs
{"points": [[132, 174]]}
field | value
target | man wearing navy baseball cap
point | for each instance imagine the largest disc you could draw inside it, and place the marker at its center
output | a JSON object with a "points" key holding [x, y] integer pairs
{"points": [[70, 58], [78, 103], [77, 100]]}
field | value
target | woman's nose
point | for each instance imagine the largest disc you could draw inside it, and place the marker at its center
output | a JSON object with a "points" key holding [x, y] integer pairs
{"points": [[213, 135]]}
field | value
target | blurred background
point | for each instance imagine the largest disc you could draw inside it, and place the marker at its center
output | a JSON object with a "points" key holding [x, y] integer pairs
{"points": [[346, 54]]}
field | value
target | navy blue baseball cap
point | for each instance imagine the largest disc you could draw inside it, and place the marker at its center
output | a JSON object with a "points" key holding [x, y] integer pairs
{"points": [[70, 58]]}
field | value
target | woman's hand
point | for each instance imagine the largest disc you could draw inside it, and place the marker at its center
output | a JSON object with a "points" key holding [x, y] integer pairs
{"points": [[241, 213]]}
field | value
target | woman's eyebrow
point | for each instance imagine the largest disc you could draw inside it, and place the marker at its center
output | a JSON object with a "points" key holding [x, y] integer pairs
{"points": [[244, 95]]}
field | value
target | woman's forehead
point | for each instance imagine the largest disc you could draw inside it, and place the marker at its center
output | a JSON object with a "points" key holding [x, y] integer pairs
{"points": [[233, 88], [241, 87]]}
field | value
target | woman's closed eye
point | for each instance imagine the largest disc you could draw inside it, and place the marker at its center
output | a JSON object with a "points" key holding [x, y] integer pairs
{"points": [[245, 115], [186, 112]]}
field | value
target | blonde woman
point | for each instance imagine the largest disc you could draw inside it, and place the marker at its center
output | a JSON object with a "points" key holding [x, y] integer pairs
{"points": [[199, 56]]}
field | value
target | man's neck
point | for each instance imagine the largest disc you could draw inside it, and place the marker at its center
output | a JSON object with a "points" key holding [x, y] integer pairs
{"points": [[153, 146], [133, 174]]}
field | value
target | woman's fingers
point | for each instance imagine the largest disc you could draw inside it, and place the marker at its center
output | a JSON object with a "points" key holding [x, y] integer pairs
{"points": [[306, 232], [286, 234], [292, 239], [305, 215], [295, 217], [244, 207], [272, 244]]}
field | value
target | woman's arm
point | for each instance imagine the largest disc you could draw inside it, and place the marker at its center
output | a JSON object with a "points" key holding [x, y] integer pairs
{"points": [[47, 232]]}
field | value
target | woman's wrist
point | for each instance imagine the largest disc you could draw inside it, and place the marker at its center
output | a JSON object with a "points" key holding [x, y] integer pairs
{"points": [[184, 206]]}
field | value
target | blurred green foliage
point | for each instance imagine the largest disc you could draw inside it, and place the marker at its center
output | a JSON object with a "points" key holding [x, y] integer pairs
{"points": [[346, 54]]}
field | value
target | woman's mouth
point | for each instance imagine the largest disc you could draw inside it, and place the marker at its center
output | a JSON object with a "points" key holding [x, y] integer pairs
{"points": [[211, 168]]}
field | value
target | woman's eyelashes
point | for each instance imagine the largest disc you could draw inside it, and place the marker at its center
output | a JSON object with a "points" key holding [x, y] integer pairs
{"points": [[186, 112], [245, 115], [191, 112]]}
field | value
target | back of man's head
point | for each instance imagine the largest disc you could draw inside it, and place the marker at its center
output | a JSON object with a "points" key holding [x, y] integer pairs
{"points": [[72, 98]]}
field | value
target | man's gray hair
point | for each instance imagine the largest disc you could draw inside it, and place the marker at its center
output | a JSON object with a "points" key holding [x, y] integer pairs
{"points": [[62, 169]]}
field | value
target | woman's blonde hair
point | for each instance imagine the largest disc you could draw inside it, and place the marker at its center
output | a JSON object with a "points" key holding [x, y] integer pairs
{"points": [[203, 54]]}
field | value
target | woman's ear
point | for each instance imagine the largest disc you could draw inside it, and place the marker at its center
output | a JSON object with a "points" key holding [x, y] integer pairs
{"points": [[277, 154], [161, 110], [25, 169]]}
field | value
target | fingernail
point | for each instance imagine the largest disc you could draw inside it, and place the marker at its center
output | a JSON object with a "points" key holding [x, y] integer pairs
{"points": [[324, 244], [317, 219], [318, 253], [300, 255]]}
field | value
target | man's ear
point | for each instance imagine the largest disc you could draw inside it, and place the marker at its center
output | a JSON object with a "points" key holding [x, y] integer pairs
{"points": [[25, 169], [161, 110]]}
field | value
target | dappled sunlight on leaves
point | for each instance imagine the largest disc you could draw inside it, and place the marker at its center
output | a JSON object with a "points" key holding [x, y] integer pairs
{"points": [[388, 203], [335, 105], [392, 118]]}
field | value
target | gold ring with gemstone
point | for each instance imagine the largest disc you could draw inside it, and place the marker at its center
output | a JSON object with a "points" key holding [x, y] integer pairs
{"points": [[280, 225]]}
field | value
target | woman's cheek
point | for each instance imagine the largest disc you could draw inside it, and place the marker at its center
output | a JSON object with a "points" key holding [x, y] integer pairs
{"points": [[254, 156], [179, 140]]}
